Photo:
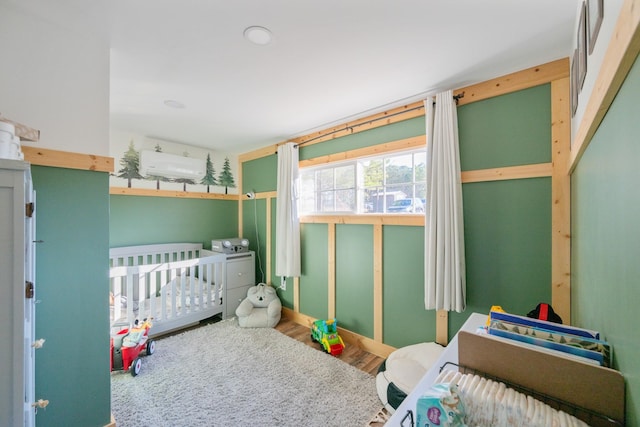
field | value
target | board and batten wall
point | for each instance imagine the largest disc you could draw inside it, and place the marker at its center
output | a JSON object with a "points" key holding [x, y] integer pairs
{"points": [[367, 270], [605, 199]]}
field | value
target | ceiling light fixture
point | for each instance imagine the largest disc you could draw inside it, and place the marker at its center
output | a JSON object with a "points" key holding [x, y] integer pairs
{"points": [[258, 35], [173, 104]]}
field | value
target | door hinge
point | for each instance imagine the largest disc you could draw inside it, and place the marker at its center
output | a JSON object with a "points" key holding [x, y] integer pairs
{"points": [[28, 290], [29, 208]]}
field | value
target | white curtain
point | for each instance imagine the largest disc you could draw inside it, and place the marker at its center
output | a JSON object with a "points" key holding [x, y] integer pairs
{"points": [[445, 279], [287, 222]]}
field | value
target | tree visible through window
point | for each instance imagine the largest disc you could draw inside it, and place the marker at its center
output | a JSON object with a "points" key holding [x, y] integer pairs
{"points": [[394, 183]]}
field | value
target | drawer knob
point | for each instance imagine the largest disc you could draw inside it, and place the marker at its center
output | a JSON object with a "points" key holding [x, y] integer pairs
{"points": [[239, 274]]}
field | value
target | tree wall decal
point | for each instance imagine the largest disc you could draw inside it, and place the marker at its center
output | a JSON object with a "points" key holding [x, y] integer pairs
{"points": [[210, 176], [226, 177], [184, 182], [130, 163]]}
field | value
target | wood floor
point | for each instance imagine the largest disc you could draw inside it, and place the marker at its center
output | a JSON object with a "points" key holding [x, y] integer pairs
{"points": [[351, 354]]}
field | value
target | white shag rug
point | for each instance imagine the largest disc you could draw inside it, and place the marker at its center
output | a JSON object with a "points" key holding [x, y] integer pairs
{"points": [[224, 375]]}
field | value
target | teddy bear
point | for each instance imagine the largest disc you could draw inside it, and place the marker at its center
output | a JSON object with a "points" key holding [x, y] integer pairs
{"points": [[260, 309]]}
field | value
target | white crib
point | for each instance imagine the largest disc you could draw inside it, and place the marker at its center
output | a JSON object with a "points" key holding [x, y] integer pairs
{"points": [[175, 284]]}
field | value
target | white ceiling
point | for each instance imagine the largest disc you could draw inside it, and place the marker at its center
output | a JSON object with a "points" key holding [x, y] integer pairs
{"points": [[330, 60]]}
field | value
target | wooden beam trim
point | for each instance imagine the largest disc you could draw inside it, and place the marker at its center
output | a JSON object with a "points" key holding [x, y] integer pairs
{"points": [[268, 243], [561, 199], [350, 338], [510, 172], [525, 79], [269, 150], [378, 313], [265, 195], [240, 204], [385, 118], [409, 219], [389, 147], [296, 294], [442, 327], [67, 159], [619, 58], [148, 192], [331, 270]]}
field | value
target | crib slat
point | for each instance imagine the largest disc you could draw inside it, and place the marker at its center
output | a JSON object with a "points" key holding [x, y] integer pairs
{"points": [[129, 295], [152, 295], [183, 290]]}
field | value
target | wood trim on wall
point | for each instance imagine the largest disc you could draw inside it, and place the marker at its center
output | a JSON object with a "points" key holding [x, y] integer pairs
{"points": [[525, 79], [67, 159], [296, 294], [621, 54], [442, 327], [511, 172], [149, 192], [351, 338], [561, 199], [391, 219], [112, 423], [240, 204], [268, 233], [378, 313], [331, 269]]}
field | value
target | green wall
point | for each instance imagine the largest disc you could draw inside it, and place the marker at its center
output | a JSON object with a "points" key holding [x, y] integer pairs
{"points": [[405, 320], [380, 135], [354, 278], [507, 227], [508, 130], [72, 369], [137, 220], [605, 230], [314, 297], [258, 175]]}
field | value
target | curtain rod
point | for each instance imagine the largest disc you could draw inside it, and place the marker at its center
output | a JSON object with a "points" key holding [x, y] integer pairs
{"points": [[455, 98]]}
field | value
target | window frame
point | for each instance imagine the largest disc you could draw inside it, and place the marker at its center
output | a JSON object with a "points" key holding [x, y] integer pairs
{"points": [[359, 189]]}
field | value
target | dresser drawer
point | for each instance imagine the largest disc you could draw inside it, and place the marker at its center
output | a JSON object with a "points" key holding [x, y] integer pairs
{"points": [[234, 298], [240, 272]]}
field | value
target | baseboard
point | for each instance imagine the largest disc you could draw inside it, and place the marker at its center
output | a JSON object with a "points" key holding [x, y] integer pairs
{"points": [[112, 423], [351, 338]]}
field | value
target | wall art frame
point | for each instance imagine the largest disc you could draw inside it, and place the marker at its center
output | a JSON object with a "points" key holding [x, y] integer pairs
{"points": [[582, 47], [573, 80], [595, 10]]}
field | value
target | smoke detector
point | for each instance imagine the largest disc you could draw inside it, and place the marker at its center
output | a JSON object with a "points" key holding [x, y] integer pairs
{"points": [[258, 35]]}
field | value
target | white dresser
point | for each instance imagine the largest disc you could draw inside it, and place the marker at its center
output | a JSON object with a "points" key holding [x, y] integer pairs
{"points": [[241, 275], [17, 294]]}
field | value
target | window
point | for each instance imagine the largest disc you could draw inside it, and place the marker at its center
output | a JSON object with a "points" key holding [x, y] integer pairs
{"points": [[393, 183]]}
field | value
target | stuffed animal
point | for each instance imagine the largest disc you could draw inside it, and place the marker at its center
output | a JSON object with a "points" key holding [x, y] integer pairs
{"points": [[260, 309]]}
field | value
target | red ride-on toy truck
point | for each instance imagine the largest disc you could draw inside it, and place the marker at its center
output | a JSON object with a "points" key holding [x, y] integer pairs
{"points": [[128, 343]]}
